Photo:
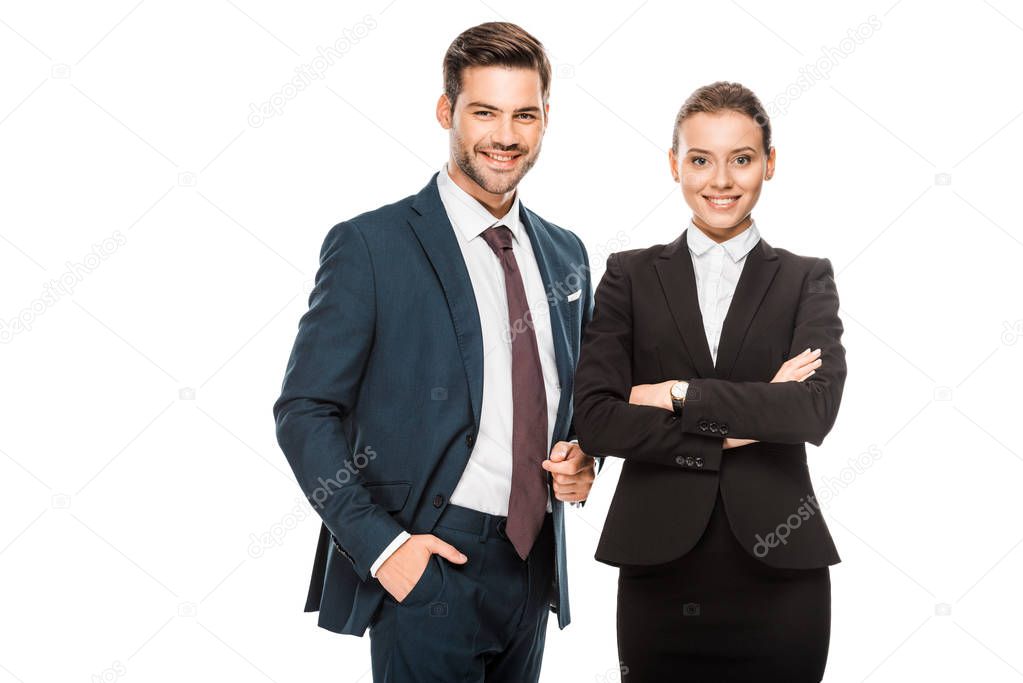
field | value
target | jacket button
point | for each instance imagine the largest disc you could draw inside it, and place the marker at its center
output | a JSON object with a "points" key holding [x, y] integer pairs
{"points": [[699, 462], [438, 500], [713, 426], [469, 440], [689, 461], [702, 424], [722, 430], [680, 460]]}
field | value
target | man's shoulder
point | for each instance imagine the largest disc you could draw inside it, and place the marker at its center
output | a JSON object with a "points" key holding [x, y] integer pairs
{"points": [[383, 216], [563, 238]]}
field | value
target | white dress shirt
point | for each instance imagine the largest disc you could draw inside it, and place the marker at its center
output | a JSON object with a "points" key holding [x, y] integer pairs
{"points": [[485, 484], [717, 268]]}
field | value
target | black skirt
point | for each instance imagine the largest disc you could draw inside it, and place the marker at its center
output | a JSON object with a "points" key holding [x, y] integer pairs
{"points": [[717, 614]]}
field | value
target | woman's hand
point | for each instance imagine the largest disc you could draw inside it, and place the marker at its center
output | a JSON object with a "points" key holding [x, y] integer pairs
{"points": [[659, 396], [798, 368], [656, 395]]}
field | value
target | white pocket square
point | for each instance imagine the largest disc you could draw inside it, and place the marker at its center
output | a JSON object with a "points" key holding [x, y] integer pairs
{"points": [[575, 295]]}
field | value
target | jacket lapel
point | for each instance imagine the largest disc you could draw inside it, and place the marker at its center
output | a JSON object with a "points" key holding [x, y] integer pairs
{"points": [[551, 265], [678, 282], [757, 274], [435, 233]]}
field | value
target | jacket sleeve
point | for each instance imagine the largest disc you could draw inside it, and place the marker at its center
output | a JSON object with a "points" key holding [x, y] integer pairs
{"points": [[605, 421], [320, 386], [783, 412]]}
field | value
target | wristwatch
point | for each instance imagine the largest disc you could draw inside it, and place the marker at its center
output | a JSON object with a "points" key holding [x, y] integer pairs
{"points": [[678, 396]]}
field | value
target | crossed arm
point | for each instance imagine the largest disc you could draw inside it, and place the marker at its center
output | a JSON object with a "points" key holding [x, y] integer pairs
{"points": [[643, 430]]}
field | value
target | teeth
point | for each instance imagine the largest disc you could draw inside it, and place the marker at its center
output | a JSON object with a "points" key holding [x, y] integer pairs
{"points": [[499, 157], [721, 202]]}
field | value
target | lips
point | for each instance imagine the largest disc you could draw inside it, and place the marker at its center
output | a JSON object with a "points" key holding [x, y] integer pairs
{"points": [[721, 201], [498, 159]]}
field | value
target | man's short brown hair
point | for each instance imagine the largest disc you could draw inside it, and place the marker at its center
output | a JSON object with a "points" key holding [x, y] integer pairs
{"points": [[495, 43], [724, 96]]}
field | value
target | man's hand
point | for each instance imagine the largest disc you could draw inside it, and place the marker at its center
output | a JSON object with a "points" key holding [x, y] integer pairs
{"points": [[402, 570], [572, 471]]}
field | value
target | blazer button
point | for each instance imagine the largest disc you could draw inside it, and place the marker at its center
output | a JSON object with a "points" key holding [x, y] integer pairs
{"points": [[680, 460], [702, 424], [722, 430], [713, 426], [438, 500], [689, 461], [469, 440], [699, 462]]}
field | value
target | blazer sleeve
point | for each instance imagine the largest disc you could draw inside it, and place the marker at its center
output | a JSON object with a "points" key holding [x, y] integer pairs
{"points": [[783, 412], [320, 386], [605, 421]]}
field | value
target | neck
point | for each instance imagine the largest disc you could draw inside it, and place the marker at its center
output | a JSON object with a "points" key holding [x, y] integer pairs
{"points": [[496, 204], [720, 235]]}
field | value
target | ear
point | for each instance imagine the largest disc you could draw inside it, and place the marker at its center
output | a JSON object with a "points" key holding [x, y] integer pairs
{"points": [[769, 165], [444, 112], [673, 163]]}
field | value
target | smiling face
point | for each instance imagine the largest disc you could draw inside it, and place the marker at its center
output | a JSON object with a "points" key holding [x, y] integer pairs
{"points": [[496, 128], [722, 165]]}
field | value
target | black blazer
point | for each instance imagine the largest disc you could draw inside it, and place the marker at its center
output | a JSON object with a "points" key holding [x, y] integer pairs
{"points": [[647, 328]]}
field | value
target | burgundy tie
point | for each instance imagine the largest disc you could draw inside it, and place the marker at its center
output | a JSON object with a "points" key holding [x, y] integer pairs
{"points": [[528, 502]]}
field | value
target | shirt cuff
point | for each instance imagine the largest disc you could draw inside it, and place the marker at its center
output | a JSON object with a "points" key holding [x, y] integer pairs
{"points": [[388, 551]]}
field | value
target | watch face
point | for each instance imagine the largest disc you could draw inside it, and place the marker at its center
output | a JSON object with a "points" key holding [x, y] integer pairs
{"points": [[678, 390]]}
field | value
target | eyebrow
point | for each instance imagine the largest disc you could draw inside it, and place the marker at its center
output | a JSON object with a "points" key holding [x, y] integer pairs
{"points": [[703, 151], [484, 105]]}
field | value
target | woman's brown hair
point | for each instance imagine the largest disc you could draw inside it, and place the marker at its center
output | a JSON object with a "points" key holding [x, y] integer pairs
{"points": [[724, 96]]}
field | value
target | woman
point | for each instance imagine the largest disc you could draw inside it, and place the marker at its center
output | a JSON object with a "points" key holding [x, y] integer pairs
{"points": [[722, 549]]}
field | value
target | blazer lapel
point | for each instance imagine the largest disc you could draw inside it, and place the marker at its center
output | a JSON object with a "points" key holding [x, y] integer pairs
{"points": [[437, 236], [757, 274], [678, 281], [551, 265]]}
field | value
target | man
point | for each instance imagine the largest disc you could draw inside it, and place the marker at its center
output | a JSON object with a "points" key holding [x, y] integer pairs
{"points": [[430, 378]]}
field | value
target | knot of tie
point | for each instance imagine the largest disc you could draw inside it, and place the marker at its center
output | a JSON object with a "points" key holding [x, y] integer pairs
{"points": [[499, 237]]}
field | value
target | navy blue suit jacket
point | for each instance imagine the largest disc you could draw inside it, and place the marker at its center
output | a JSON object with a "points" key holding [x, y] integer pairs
{"points": [[380, 405]]}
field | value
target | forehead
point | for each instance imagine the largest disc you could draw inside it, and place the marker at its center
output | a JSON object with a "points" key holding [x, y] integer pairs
{"points": [[500, 86], [720, 132]]}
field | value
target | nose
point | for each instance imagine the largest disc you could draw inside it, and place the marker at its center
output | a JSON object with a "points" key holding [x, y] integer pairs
{"points": [[504, 133], [722, 177]]}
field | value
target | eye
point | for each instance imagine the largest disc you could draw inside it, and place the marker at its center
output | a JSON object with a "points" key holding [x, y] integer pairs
{"points": [[696, 161], [483, 112], [746, 157], [526, 116]]}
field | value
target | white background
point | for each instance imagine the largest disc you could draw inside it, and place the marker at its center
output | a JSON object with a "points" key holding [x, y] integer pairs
{"points": [[129, 506]]}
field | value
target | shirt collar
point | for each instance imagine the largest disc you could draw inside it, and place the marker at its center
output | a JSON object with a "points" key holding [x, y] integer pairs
{"points": [[737, 247], [469, 217]]}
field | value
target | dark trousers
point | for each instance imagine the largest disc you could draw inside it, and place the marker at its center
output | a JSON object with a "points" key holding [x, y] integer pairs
{"points": [[483, 621]]}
